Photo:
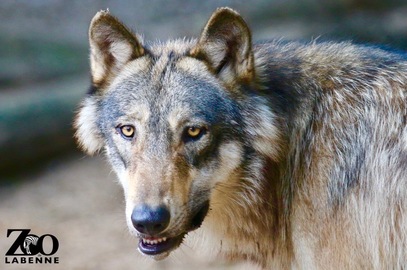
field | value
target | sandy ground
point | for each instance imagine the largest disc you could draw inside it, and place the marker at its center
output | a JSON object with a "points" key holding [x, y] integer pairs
{"points": [[78, 201]]}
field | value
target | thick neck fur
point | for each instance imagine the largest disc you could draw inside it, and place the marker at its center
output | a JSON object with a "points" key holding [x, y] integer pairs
{"points": [[250, 218], [246, 220], [249, 213]]}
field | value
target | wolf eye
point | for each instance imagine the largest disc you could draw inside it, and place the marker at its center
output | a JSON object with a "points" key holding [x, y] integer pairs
{"points": [[127, 131], [194, 132]]}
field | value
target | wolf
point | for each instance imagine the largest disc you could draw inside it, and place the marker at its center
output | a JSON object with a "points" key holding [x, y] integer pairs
{"points": [[285, 154]]}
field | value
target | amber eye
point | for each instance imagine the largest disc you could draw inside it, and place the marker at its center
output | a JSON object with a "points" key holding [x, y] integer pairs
{"points": [[194, 132], [127, 131]]}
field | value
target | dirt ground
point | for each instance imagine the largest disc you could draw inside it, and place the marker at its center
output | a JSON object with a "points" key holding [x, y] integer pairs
{"points": [[79, 201]]}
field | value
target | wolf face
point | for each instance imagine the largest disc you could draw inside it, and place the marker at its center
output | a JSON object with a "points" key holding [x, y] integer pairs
{"points": [[170, 118], [168, 148]]}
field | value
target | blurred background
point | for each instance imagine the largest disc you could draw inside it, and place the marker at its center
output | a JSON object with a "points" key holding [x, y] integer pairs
{"points": [[46, 184]]}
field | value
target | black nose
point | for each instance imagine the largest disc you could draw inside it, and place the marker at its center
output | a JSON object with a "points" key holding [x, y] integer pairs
{"points": [[150, 221]]}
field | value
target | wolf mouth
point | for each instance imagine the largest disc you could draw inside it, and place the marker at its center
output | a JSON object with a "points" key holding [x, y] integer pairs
{"points": [[155, 245], [160, 245]]}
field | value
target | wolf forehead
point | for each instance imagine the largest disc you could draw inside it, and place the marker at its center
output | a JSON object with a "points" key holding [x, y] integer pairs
{"points": [[159, 60], [167, 81]]}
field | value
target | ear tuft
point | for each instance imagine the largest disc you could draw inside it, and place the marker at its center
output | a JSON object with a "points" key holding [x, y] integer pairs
{"points": [[226, 45], [112, 45]]}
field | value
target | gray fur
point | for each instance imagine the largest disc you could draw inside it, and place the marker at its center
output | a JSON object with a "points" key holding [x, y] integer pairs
{"points": [[304, 161]]}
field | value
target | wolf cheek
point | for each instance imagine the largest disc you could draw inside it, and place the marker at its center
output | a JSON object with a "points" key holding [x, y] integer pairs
{"points": [[87, 132]]}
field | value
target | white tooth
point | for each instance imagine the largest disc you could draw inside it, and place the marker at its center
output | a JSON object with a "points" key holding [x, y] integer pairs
{"points": [[153, 241]]}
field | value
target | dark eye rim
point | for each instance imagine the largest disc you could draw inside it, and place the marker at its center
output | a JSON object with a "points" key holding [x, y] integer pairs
{"points": [[119, 129], [187, 138]]}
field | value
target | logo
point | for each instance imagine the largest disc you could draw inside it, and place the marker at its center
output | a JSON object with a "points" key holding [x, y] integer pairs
{"points": [[31, 249], [30, 240]]}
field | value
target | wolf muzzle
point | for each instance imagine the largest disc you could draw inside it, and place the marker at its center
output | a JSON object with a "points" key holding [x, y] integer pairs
{"points": [[152, 223]]}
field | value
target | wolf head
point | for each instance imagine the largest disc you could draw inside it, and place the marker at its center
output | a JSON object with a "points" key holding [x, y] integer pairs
{"points": [[176, 121]]}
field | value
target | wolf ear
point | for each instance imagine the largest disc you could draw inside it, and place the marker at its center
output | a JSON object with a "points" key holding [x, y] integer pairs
{"points": [[226, 45], [112, 45]]}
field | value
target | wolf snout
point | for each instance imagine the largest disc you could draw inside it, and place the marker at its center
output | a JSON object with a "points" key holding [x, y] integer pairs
{"points": [[151, 221]]}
